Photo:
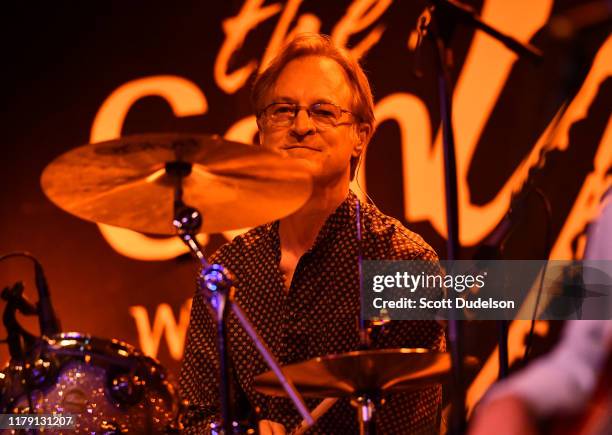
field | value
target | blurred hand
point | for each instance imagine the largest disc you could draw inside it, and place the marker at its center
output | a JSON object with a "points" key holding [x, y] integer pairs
{"points": [[503, 416], [267, 427]]}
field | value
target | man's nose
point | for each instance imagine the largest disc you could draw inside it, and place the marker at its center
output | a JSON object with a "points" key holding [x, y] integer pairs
{"points": [[302, 124]]}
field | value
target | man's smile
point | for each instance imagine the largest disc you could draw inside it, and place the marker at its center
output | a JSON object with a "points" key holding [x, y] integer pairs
{"points": [[300, 146]]}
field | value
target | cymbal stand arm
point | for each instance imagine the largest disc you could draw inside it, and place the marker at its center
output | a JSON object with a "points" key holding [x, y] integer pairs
{"points": [[292, 392], [218, 280], [188, 221]]}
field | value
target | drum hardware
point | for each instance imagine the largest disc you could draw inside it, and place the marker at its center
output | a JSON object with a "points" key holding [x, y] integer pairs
{"points": [[181, 184], [19, 340], [111, 427], [364, 376], [126, 389], [130, 182], [216, 286], [40, 372], [110, 385], [237, 429]]}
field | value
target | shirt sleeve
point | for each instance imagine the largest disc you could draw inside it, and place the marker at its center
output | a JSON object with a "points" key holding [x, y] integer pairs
{"points": [[563, 380]]}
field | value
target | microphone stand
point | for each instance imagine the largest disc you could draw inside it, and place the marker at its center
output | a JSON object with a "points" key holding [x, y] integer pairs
{"points": [[216, 286], [443, 17], [48, 322], [20, 341]]}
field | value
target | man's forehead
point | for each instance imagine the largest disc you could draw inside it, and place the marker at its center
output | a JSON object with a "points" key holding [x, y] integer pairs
{"points": [[288, 99], [320, 79]]}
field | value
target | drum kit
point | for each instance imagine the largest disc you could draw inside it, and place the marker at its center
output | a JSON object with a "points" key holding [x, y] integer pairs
{"points": [[178, 184]]}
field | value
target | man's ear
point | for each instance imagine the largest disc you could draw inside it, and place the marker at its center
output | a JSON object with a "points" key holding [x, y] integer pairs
{"points": [[363, 137]]}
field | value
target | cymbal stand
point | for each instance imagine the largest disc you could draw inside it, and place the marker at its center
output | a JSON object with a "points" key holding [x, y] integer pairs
{"points": [[366, 406], [216, 286]]}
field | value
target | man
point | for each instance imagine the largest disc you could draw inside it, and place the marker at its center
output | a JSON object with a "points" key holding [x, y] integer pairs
{"points": [[297, 278]]}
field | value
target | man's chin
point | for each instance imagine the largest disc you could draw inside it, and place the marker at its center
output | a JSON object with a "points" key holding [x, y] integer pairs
{"points": [[310, 166], [304, 152]]}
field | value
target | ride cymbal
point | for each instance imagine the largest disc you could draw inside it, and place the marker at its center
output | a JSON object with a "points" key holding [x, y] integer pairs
{"points": [[125, 183]]}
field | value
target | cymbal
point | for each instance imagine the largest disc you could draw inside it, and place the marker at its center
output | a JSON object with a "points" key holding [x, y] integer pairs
{"points": [[350, 374], [124, 182]]}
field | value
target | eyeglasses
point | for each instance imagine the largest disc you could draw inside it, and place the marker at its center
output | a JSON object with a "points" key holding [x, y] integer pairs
{"points": [[323, 115]]}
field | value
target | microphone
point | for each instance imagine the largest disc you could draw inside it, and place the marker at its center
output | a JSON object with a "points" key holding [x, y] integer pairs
{"points": [[567, 24], [459, 11], [416, 41], [491, 247], [49, 324]]}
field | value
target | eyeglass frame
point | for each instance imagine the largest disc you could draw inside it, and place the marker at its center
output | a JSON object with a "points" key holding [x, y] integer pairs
{"points": [[297, 108]]}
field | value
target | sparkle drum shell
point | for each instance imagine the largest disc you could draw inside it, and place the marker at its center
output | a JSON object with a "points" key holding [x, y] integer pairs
{"points": [[107, 385]]}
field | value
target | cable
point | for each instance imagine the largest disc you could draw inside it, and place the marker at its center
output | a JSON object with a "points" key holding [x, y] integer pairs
{"points": [[548, 208], [356, 177], [25, 254]]}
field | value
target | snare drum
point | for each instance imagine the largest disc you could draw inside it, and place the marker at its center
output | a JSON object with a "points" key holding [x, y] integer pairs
{"points": [[107, 385]]}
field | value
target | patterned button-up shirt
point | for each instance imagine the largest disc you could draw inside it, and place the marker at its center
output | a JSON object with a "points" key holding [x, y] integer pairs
{"points": [[317, 316]]}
